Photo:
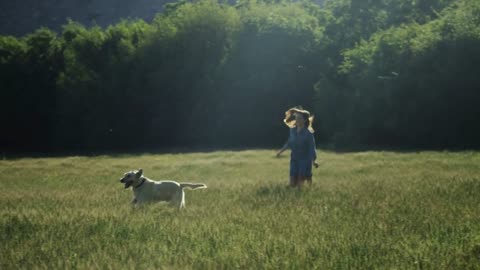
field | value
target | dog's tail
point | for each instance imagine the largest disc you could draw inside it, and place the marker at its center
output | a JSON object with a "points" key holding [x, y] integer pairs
{"points": [[192, 186]]}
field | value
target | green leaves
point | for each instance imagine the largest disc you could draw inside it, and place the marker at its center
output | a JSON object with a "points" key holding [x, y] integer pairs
{"points": [[10, 48], [403, 82], [364, 67]]}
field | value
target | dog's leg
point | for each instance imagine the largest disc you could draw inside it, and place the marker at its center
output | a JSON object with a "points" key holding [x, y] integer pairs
{"points": [[182, 204], [136, 203], [178, 199]]}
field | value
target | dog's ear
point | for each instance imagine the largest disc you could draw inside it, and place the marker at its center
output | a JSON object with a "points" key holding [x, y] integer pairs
{"points": [[139, 173]]}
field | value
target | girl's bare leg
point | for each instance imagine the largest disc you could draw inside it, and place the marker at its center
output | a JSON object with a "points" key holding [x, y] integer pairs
{"points": [[300, 180], [292, 181], [309, 180]]}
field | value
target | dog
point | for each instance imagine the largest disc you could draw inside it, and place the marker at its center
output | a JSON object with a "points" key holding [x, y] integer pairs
{"points": [[147, 190]]}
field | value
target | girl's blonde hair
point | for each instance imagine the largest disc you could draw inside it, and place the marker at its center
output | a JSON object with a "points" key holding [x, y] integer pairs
{"points": [[290, 118]]}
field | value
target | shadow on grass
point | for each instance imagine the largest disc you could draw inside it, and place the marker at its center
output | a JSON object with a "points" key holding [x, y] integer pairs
{"points": [[347, 149], [280, 190], [273, 190], [12, 155]]}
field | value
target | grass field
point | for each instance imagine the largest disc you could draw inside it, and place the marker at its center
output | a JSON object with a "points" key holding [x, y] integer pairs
{"points": [[368, 210]]}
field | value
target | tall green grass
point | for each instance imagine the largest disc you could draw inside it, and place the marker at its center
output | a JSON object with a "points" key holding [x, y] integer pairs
{"points": [[369, 210]]}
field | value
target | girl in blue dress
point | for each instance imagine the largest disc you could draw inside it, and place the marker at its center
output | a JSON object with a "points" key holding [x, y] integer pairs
{"points": [[302, 145]]}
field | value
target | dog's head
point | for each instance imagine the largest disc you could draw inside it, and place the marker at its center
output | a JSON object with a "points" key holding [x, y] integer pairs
{"points": [[131, 178]]}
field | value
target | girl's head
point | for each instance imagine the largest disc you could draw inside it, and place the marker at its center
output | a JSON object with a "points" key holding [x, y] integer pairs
{"points": [[302, 119], [298, 117]]}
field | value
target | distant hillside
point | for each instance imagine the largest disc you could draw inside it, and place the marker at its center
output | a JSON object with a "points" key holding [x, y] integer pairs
{"points": [[21, 17]]}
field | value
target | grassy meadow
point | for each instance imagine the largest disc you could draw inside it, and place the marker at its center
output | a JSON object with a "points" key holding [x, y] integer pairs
{"points": [[366, 210]]}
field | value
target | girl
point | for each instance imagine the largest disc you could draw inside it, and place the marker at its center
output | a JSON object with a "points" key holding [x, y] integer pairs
{"points": [[302, 144]]}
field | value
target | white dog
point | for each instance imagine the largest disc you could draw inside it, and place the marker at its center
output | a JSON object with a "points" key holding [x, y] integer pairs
{"points": [[146, 190]]}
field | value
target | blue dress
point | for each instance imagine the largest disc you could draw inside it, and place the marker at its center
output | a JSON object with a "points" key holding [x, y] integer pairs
{"points": [[302, 145]]}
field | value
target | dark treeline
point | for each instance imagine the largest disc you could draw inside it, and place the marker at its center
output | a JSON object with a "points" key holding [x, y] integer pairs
{"points": [[21, 17], [380, 73]]}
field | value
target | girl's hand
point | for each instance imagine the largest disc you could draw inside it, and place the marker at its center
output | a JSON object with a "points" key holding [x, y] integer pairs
{"points": [[315, 164]]}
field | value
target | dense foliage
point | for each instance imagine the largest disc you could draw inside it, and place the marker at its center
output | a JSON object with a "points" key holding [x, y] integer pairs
{"points": [[377, 73], [21, 17]]}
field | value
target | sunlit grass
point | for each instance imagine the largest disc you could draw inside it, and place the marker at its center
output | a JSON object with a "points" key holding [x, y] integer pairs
{"points": [[365, 210]]}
